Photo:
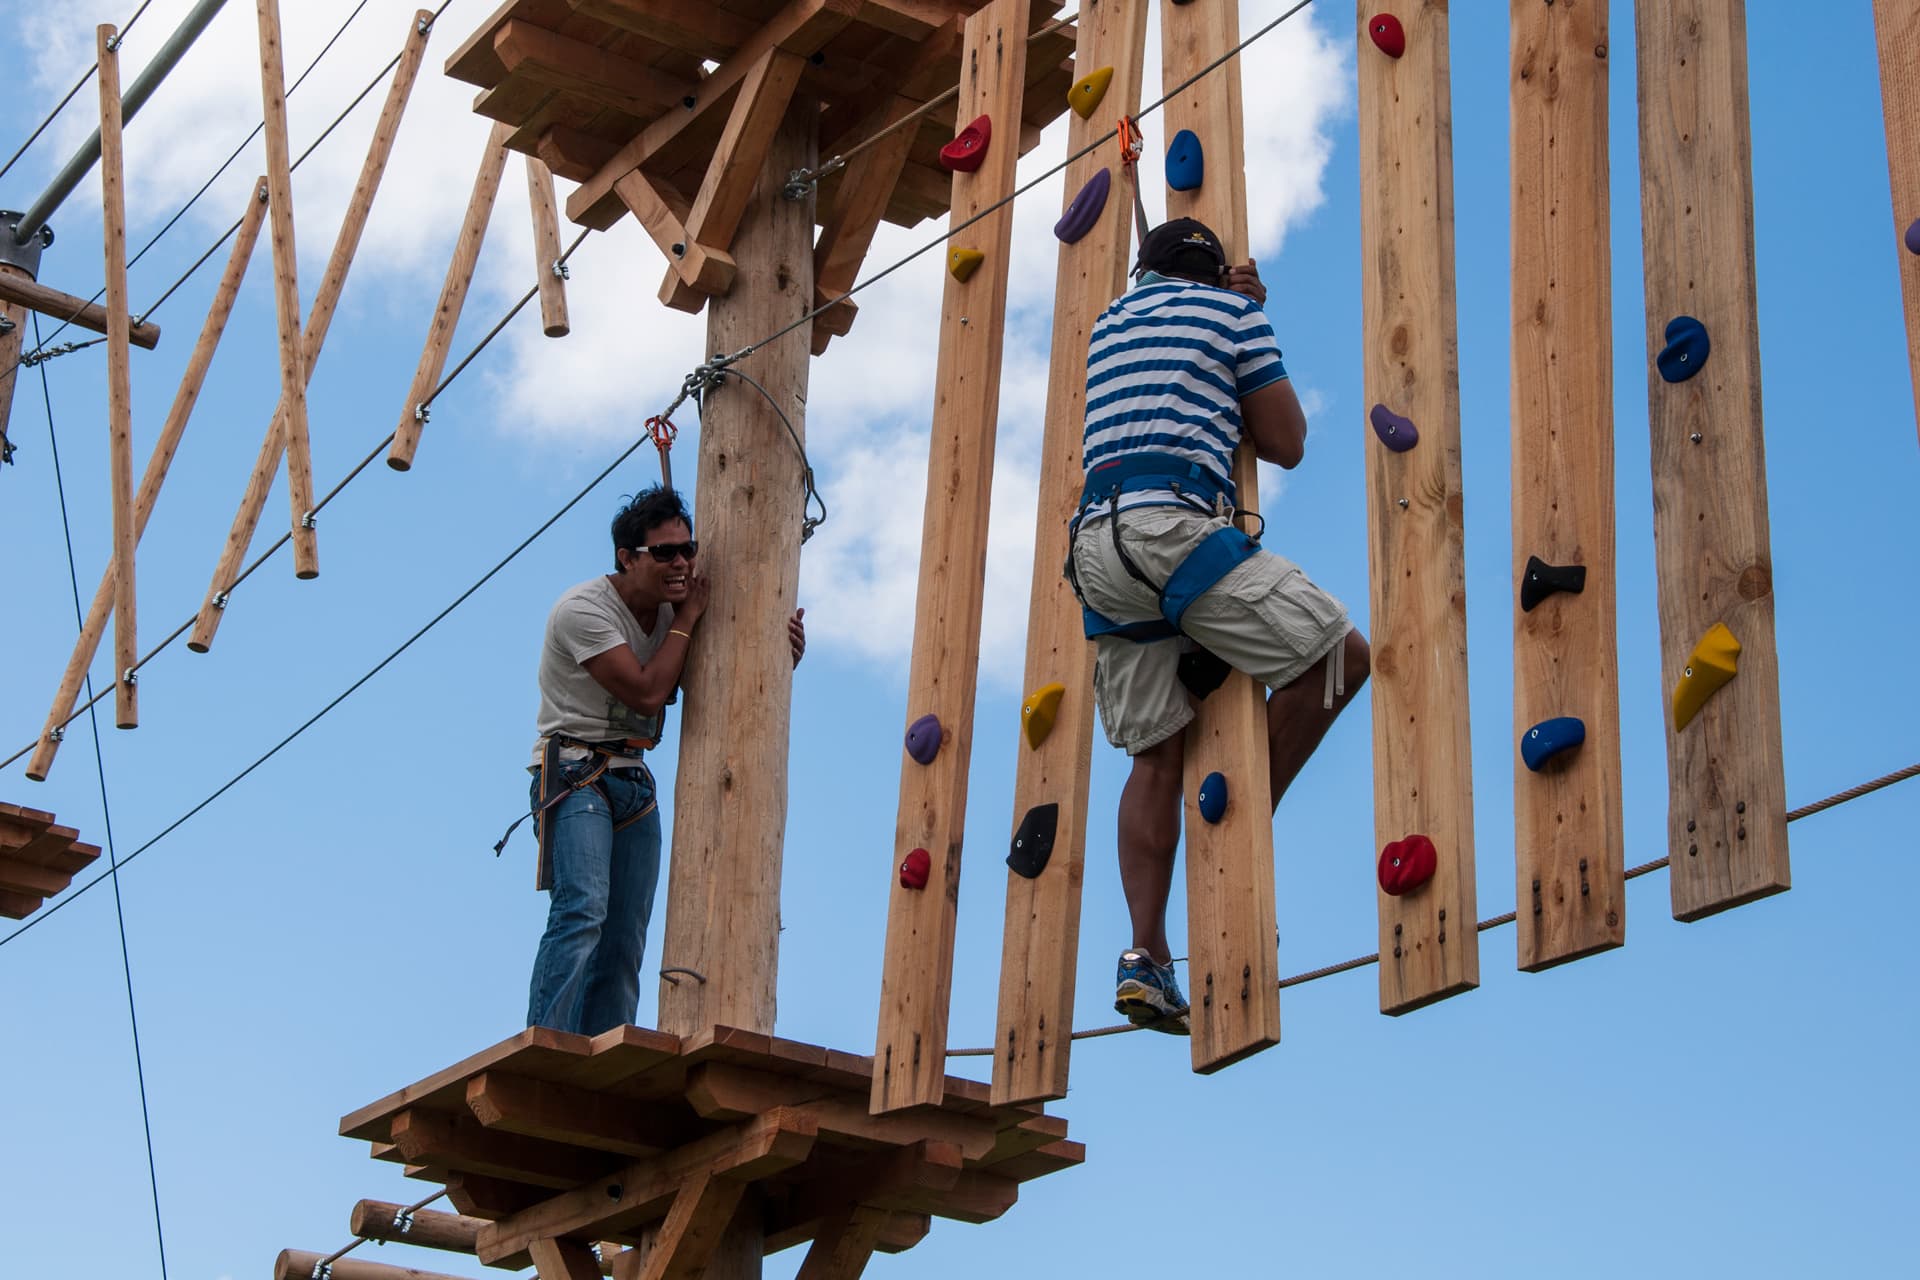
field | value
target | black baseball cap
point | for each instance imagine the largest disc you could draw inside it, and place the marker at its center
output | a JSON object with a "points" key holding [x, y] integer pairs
{"points": [[1186, 245]]}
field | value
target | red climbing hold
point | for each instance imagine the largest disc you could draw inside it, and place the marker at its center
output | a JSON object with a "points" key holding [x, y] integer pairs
{"points": [[1407, 864], [965, 152], [1387, 35], [915, 870]]}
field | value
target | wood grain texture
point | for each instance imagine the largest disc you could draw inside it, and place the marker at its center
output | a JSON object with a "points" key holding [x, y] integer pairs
{"points": [[1234, 965], [917, 977], [13, 335], [19, 293], [547, 250], [1042, 931], [1423, 770], [1726, 821], [1896, 29], [1569, 868], [113, 195]]}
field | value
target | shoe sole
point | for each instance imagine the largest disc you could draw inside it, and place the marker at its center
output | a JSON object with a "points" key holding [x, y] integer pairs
{"points": [[1139, 1009]]}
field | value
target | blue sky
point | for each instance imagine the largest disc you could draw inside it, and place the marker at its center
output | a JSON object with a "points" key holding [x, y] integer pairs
{"points": [[1727, 1097]]}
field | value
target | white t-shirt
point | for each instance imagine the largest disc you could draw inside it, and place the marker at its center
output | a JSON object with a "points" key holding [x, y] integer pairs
{"points": [[587, 621]]}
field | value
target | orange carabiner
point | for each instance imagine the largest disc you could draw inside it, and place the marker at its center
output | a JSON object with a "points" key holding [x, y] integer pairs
{"points": [[1132, 142], [663, 433]]}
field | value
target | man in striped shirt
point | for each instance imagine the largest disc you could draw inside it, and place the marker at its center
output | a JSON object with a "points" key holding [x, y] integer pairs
{"points": [[1181, 370]]}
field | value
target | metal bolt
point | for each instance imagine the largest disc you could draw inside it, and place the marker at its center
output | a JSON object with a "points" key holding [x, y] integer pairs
{"points": [[420, 412], [561, 269], [57, 734], [1443, 935], [1396, 951], [687, 102], [309, 520], [614, 1191], [424, 25], [130, 676], [1396, 931], [963, 319], [1740, 806], [1403, 504], [219, 599], [261, 194], [1741, 833], [1443, 915], [6, 325], [1693, 850], [679, 250], [1695, 437], [1689, 824]]}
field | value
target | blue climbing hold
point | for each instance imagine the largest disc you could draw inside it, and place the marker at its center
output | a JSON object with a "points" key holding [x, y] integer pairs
{"points": [[1686, 351], [1397, 433], [1549, 738], [1213, 797], [1085, 208], [1185, 163], [923, 739]]}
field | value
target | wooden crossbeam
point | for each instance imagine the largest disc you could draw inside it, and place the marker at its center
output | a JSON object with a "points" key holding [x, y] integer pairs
{"points": [[126, 651], [801, 28], [663, 211], [299, 1264], [564, 1260], [706, 30], [513, 1104], [184, 400], [916, 982], [844, 1245], [427, 1228], [1896, 29], [1726, 820], [691, 1233], [539, 56], [1569, 850], [1422, 761], [546, 250], [719, 1091], [1042, 932], [480, 1196], [326, 299], [22, 291]]}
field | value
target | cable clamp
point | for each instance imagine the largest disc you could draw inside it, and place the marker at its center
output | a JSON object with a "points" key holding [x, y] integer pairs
{"points": [[57, 734], [421, 412], [310, 520], [561, 269], [802, 181], [424, 25], [220, 600], [131, 675], [6, 324], [403, 1221], [322, 1270]]}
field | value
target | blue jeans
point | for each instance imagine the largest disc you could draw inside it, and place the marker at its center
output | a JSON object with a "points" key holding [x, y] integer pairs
{"points": [[586, 975]]}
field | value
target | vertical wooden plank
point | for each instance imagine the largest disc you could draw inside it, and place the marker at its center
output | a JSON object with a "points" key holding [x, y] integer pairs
{"points": [[95, 626], [1423, 773], [1896, 29], [453, 298], [1726, 824], [1042, 931], [1568, 851], [13, 335], [113, 193], [547, 250], [910, 1055], [332, 283], [286, 291], [1234, 961]]}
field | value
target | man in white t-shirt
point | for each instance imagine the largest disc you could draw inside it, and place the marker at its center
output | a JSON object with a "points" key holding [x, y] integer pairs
{"points": [[611, 663]]}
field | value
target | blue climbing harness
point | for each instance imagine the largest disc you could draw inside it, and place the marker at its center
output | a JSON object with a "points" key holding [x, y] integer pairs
{"points": [[1215, 557]]}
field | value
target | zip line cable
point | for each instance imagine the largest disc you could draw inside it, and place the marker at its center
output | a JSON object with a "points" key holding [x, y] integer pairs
{"points": [[106, 810], [78, 85]]}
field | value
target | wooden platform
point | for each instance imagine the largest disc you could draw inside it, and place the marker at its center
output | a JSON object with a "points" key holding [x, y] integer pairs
{"points": [[557, 1140], [38, 859]]}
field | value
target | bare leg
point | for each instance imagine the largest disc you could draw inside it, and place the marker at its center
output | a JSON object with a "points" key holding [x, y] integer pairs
{"points": [[1297, 720], [1149, 837]]}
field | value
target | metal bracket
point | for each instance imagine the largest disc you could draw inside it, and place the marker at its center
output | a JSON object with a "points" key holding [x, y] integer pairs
{"points": [[322, 1270], [24, 256], [130, 676], [403, 1221], [561, 269], [420, 412], [6, 324], [310, 520], [220, 600], [57, 734]]}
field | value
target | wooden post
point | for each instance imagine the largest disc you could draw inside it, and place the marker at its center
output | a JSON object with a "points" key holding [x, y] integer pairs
{"points": [[332, 283], [1568, 849], [910, 1056], [1423, 773], [1896, 28], [1233, 973], [1726, 824], [126, 650], [546, 249], [299, 1264], [1042, 932], [286, 292], [19, 289], [155, 475], [453, 297], [13, 335]]}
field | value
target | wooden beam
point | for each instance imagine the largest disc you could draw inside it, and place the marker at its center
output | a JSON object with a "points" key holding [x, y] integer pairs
{"points": [[18, 906], [1896, 28], [1726, 822], [13, 335], [802, 27], [1422, 761], [910, 1056], [706, 30], [286, 293], [538, 56], [1041, 943], [332, 283], [453, 298], [691, 1233], [574, 155], [22, 291], [546, 250], [459, 1143], [720, 1091], [563, 1260], [298, 1264], [738, 158], [428, 1228], [844, 1245], [1234, 966], [26, 877], [663, 211], [559, 1113], [911, 18], [113, 192], [477, 1195], [1568, 849], [188, 395]]}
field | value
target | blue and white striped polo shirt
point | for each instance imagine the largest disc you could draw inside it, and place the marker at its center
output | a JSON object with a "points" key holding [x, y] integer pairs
{"points": [[1166, 367]]}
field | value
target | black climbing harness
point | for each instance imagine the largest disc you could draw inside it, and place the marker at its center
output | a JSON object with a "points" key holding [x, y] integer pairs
{"points": [[556, 785]]}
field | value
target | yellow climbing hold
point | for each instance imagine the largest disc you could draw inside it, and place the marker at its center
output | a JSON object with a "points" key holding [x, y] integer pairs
{"points": [[1713, 662], [962, 263], [1088, 90], [1037, 712]]}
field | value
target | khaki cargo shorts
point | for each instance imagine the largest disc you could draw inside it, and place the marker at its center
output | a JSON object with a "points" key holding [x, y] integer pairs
{"points": [[1265, 618]]}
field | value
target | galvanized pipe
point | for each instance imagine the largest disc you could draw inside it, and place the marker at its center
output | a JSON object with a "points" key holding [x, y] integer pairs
{"points": [[136, 97]]}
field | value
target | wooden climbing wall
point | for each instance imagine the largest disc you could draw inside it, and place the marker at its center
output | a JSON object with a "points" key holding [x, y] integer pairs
{"points": [[1234, 965], [1726, 825], [1423, 765], [1896, 27], [917, 979], [1569, 869], [1042, 937]]}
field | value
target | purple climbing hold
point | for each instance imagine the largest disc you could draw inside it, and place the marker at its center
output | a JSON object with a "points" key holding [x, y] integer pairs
{"points": [[1085, 209], [1397, 433], [923, 739], [1913, 236]]}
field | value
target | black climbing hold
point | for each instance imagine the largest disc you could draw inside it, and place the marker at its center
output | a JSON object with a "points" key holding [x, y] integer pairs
{"points": [[1388, 35], [1186, 163], [1202, 671], [1397, 433], [1033, 842], [1913, 236], [1549, 738], [923, 739], [1542, 579], [1686, 351], [1213, 797], [1085, 209]]}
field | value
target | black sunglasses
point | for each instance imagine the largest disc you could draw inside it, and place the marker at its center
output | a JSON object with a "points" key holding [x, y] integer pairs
{"points": [[665, 552]]}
